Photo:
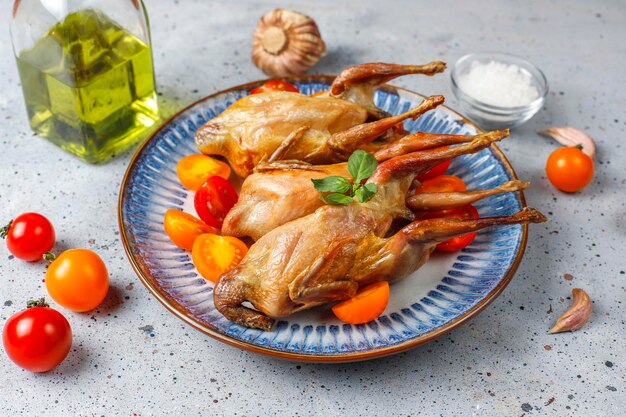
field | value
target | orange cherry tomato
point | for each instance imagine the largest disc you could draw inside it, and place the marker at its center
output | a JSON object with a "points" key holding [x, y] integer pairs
{"points": [[459, 242], [183, 228], [194, 170], [319, 93], [78, 280], [213, 254], [569, 169], [367, 305], [275, 85], [442, 184], [436, 170]]}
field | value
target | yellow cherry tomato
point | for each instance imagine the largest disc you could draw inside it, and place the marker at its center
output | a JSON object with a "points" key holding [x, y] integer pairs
{"points": [[194, 170], [183, 228], [213, 254]]}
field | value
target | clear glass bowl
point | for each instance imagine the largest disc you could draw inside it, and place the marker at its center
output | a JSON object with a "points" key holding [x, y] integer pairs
{"points": [[489, 116]]}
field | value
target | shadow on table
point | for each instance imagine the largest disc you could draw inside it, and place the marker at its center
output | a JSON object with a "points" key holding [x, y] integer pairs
{"points": [[111, 303]]}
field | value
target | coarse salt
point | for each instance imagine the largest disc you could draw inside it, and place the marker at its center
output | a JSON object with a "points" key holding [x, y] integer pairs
{"points": [[498, 84]]}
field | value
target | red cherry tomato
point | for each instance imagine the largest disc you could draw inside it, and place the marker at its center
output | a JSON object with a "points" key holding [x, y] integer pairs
{"points": [[459, 242], [29, 236], [37, 339], [214, 200], [569, 169], [275, 85], [436, 170], [442, 184]]}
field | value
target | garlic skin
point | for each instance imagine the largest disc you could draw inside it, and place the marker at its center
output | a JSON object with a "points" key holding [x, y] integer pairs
{"points": [[576, 316], [286, 43], [569, 136]]}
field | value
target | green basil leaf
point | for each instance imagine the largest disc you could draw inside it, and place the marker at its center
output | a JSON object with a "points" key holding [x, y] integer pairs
{"points": [[361, 165], [371, 187], [332, 184], [336, 198], [365, 192]]}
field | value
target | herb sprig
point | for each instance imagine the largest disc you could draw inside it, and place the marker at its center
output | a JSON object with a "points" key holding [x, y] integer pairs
{"points": [[361, 166]]}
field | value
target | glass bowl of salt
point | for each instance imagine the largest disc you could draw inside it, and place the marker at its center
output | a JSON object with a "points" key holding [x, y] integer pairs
{"points": [[498, 90]]}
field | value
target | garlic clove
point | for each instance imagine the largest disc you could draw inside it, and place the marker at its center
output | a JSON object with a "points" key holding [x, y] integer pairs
{"points": [[576, 316], [570, 136], [286, 43]]}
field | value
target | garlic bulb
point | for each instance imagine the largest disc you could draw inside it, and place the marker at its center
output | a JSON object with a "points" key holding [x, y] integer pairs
{"points": [[286, 43]]}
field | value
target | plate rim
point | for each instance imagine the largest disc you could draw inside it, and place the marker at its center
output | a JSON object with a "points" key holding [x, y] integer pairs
{"points": [[170, 304]]}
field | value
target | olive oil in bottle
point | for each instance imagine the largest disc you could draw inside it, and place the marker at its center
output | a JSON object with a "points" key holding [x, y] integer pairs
{"points": [[89, 86]]}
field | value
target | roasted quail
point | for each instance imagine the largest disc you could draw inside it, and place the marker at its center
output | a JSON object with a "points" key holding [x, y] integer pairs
{"points": [[279, 192], [317, 129], [327, 255]]}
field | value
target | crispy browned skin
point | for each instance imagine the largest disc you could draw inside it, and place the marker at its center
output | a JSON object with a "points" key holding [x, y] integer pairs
{"points": [[327, 255], [279, 192], [320, 130], [449, 200], [357, 83]]}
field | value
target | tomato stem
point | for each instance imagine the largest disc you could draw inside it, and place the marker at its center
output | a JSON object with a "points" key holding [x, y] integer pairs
{"points": [[5, 230], [49, 256], [37, 303], [579, 147]]}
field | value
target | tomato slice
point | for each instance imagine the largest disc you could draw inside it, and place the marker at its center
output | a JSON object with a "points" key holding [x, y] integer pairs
{"points": [[459, 242], [442, 184], [213, 255], [437, 170], [194, 170], [275, 85], [214, 200], [319, 93], [366, 306], [183, 228]]}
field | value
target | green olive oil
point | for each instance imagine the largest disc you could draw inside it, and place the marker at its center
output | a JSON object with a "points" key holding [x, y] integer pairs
{"points": [[89, 86]]}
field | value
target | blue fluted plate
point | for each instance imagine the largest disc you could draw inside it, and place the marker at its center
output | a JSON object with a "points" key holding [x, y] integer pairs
{"points": [[440, 296]]}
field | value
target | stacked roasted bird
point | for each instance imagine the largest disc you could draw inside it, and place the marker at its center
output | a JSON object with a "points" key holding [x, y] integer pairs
{"points": [[306, 252]]}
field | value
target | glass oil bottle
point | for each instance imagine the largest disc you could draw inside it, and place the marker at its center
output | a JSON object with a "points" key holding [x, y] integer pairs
{"points": [[87, 76]]}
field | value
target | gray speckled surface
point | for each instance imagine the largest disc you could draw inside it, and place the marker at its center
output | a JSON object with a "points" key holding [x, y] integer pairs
{"points": [[131, 357]]}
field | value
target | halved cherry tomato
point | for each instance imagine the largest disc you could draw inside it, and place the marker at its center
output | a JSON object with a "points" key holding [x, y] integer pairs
{"points": [[214, 200], [442, 184], [29, 236], [194, 170], [183, 228], [569, 169], [38, 338], [436, 170], [459, 242], [275, 85], [213, 255], [367, 305], [78, 280]]}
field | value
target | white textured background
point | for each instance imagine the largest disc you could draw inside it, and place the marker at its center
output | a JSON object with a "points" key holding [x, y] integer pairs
{"points": [[131, 357]]}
